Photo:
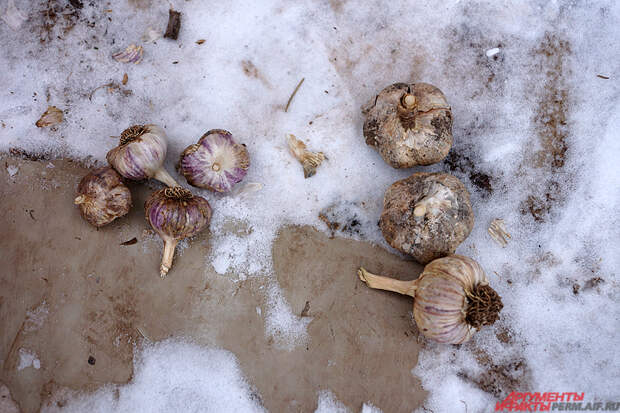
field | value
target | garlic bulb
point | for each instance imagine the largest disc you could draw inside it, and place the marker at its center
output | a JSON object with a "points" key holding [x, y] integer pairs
{"points": [[174, 213], [141, 154], [103, 197], [409, 124], [453, 298], [426, 215], [216, 162]]}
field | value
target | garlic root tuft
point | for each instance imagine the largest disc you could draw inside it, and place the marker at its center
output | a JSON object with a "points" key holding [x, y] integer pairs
{"points": [[484, 305]]}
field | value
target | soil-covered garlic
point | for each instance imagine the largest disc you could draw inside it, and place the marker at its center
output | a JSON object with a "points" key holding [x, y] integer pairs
{"points": [[409, 124], [175, 214], [103, 197], [216, 162], [426, 215], [453, 298], [141, 153]]}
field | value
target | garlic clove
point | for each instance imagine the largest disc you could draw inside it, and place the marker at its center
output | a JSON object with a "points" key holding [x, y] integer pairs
{"points": [[103, 197], [409, 124], [175, 214], [216, 162], [141, 153], [309, 160]]}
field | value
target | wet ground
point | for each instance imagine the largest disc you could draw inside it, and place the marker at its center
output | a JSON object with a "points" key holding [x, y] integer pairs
{"points": [[79, 302]]}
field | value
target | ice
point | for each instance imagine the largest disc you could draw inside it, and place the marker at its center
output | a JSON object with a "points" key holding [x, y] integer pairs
{"points": [[173, 375], [28, 358], [12, 170], [535, 141]]}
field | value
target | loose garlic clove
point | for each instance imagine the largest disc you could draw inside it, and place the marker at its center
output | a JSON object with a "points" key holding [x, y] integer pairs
{"points": [[216, 162], [409, 124], [141, 154], [426, 215], [175, 214], [309, 160], [103, 197], [453, 298]]}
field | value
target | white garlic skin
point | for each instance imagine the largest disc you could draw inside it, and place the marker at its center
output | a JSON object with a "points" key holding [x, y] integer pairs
{"points": [[141, 154], [440, 298]]}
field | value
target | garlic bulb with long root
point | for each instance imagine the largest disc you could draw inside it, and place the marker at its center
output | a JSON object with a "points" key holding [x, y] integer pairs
{"points": [[453, 298], [102, 197], [216, 162], [141, 153], [175, 214]]}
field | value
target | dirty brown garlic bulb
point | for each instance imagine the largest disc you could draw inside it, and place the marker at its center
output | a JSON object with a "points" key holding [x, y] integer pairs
{"points": [[426, 215], [453, 298], [102, 197], [175, 214], [409, 124]]}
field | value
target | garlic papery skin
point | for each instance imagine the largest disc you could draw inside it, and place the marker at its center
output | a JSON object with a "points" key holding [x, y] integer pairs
{"points": [[175, 214], [216, 162], [453, 298], [141, 154], [102, 197]]}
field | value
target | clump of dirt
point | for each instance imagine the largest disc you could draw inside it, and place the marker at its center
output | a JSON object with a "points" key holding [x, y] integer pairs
{"points": [[342, 218], [460, 161], [499, 379], [58, 18]]}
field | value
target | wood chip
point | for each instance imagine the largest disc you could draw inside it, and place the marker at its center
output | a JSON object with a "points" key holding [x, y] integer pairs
{"points": [[497, 231], [132, 241], [201, 41], [52, 116], [174, 24], [125, 79]]}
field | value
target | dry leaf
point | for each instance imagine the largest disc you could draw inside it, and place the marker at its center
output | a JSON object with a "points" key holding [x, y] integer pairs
{"points": [[125, 79], [52, 116], [201, 41]]}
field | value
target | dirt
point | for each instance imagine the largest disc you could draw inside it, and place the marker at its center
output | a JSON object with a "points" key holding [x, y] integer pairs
{"points": [[82, 301]]}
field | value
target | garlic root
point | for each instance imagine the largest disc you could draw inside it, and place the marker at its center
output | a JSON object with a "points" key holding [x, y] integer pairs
{"points": [[166, 259], [380, 282], [163, 176]]}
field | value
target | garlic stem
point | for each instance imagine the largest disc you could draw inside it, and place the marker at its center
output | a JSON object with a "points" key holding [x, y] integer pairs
{"points": [[166, 260], [163, 176], [386, 283]]}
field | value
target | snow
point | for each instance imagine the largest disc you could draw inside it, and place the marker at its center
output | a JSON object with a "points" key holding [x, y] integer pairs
{"points": [[536, 143], [28, 358], [173, 375]]}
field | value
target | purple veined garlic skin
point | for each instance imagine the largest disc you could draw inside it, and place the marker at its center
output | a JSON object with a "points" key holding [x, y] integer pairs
{"points": [[216, 162], [102, 197], [175, 214], [141, 153]]}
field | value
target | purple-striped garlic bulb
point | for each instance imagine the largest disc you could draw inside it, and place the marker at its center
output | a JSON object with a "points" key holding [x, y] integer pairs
{"points": [[453, 298], [102, 197], [216, 162], [141, 154], [175, 214]]}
